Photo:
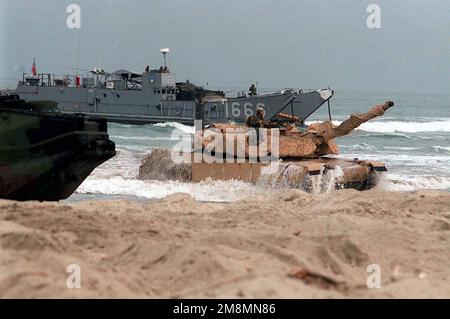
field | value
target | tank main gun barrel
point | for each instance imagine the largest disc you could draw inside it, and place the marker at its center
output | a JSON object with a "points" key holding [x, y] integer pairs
{"points": [[356, 120], [319, 138]]}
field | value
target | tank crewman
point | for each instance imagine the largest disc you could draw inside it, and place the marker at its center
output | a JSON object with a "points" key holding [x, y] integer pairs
{"points": [[257, 120], [252, 90]]}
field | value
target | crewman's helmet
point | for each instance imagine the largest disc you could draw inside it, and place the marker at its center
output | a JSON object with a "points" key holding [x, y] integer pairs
{"points": [[260, 110]]}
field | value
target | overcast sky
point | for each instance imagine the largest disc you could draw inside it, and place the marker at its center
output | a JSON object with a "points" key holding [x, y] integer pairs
{"points": [[289, 43]]}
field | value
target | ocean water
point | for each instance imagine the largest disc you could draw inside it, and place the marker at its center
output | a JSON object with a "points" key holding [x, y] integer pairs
{"points": [[413, 139]]}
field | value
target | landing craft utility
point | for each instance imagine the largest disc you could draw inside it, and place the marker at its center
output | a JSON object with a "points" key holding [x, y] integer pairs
{"points": [[155, 96]]}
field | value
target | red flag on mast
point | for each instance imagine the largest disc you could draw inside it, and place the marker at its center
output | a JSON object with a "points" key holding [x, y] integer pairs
{"points": [[33, 68]]}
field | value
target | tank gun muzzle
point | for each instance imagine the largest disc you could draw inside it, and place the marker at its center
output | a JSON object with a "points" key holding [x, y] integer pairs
{"points": [[387, 105]]}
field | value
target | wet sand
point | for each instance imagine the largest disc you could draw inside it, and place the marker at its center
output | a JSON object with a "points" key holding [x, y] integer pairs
{"points": [[290, 244]]}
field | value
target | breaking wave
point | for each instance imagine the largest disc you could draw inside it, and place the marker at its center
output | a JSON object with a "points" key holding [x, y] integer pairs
{"points": [[208, 190], [434, 149], [441, 149], [142, 138], [401, 126], [232, 190], [381, 127], [359, 146], [181, 127], [396, 182], [442, 125]]}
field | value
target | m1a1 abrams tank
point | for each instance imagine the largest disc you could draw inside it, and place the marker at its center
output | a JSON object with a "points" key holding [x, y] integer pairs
{"points": [[45, 155], [274, 152], [295, 157]]}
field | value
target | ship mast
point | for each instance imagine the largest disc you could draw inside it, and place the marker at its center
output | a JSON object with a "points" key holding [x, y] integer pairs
{"points": [[164, 52]]}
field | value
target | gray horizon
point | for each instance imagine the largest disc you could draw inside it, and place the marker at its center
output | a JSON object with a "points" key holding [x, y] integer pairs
{"points": [[231, 44]]}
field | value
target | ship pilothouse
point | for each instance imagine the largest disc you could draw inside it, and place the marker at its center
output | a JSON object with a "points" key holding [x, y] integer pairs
{"points": [[155, 96], [163, 81]]}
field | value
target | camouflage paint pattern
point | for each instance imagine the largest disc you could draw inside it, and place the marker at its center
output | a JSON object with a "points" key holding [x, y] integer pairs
{"points": [[45, 155]]}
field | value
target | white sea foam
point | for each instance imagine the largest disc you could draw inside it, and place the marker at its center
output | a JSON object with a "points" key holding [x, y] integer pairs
{"points": [[218, 191], [142, 138], [401, 148], [419, 150], [359, 146], [229, 191], [401, 126], [397, 182], [441, 149], [184, 128], [403, 159]]}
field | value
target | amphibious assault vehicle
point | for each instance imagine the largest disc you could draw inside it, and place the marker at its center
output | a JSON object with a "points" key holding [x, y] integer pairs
{"points": [[46, 155]]}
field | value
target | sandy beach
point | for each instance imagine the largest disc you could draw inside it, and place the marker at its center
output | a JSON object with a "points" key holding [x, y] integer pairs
{"points": [[275, 245]]}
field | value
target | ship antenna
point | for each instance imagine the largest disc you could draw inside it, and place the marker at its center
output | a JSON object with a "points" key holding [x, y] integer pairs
{"points": [[78, 50], [164, 52]]}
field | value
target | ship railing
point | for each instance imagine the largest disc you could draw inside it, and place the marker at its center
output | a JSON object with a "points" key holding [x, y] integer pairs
{"points": [[238, 92], [52, 80], [67, 80]]}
